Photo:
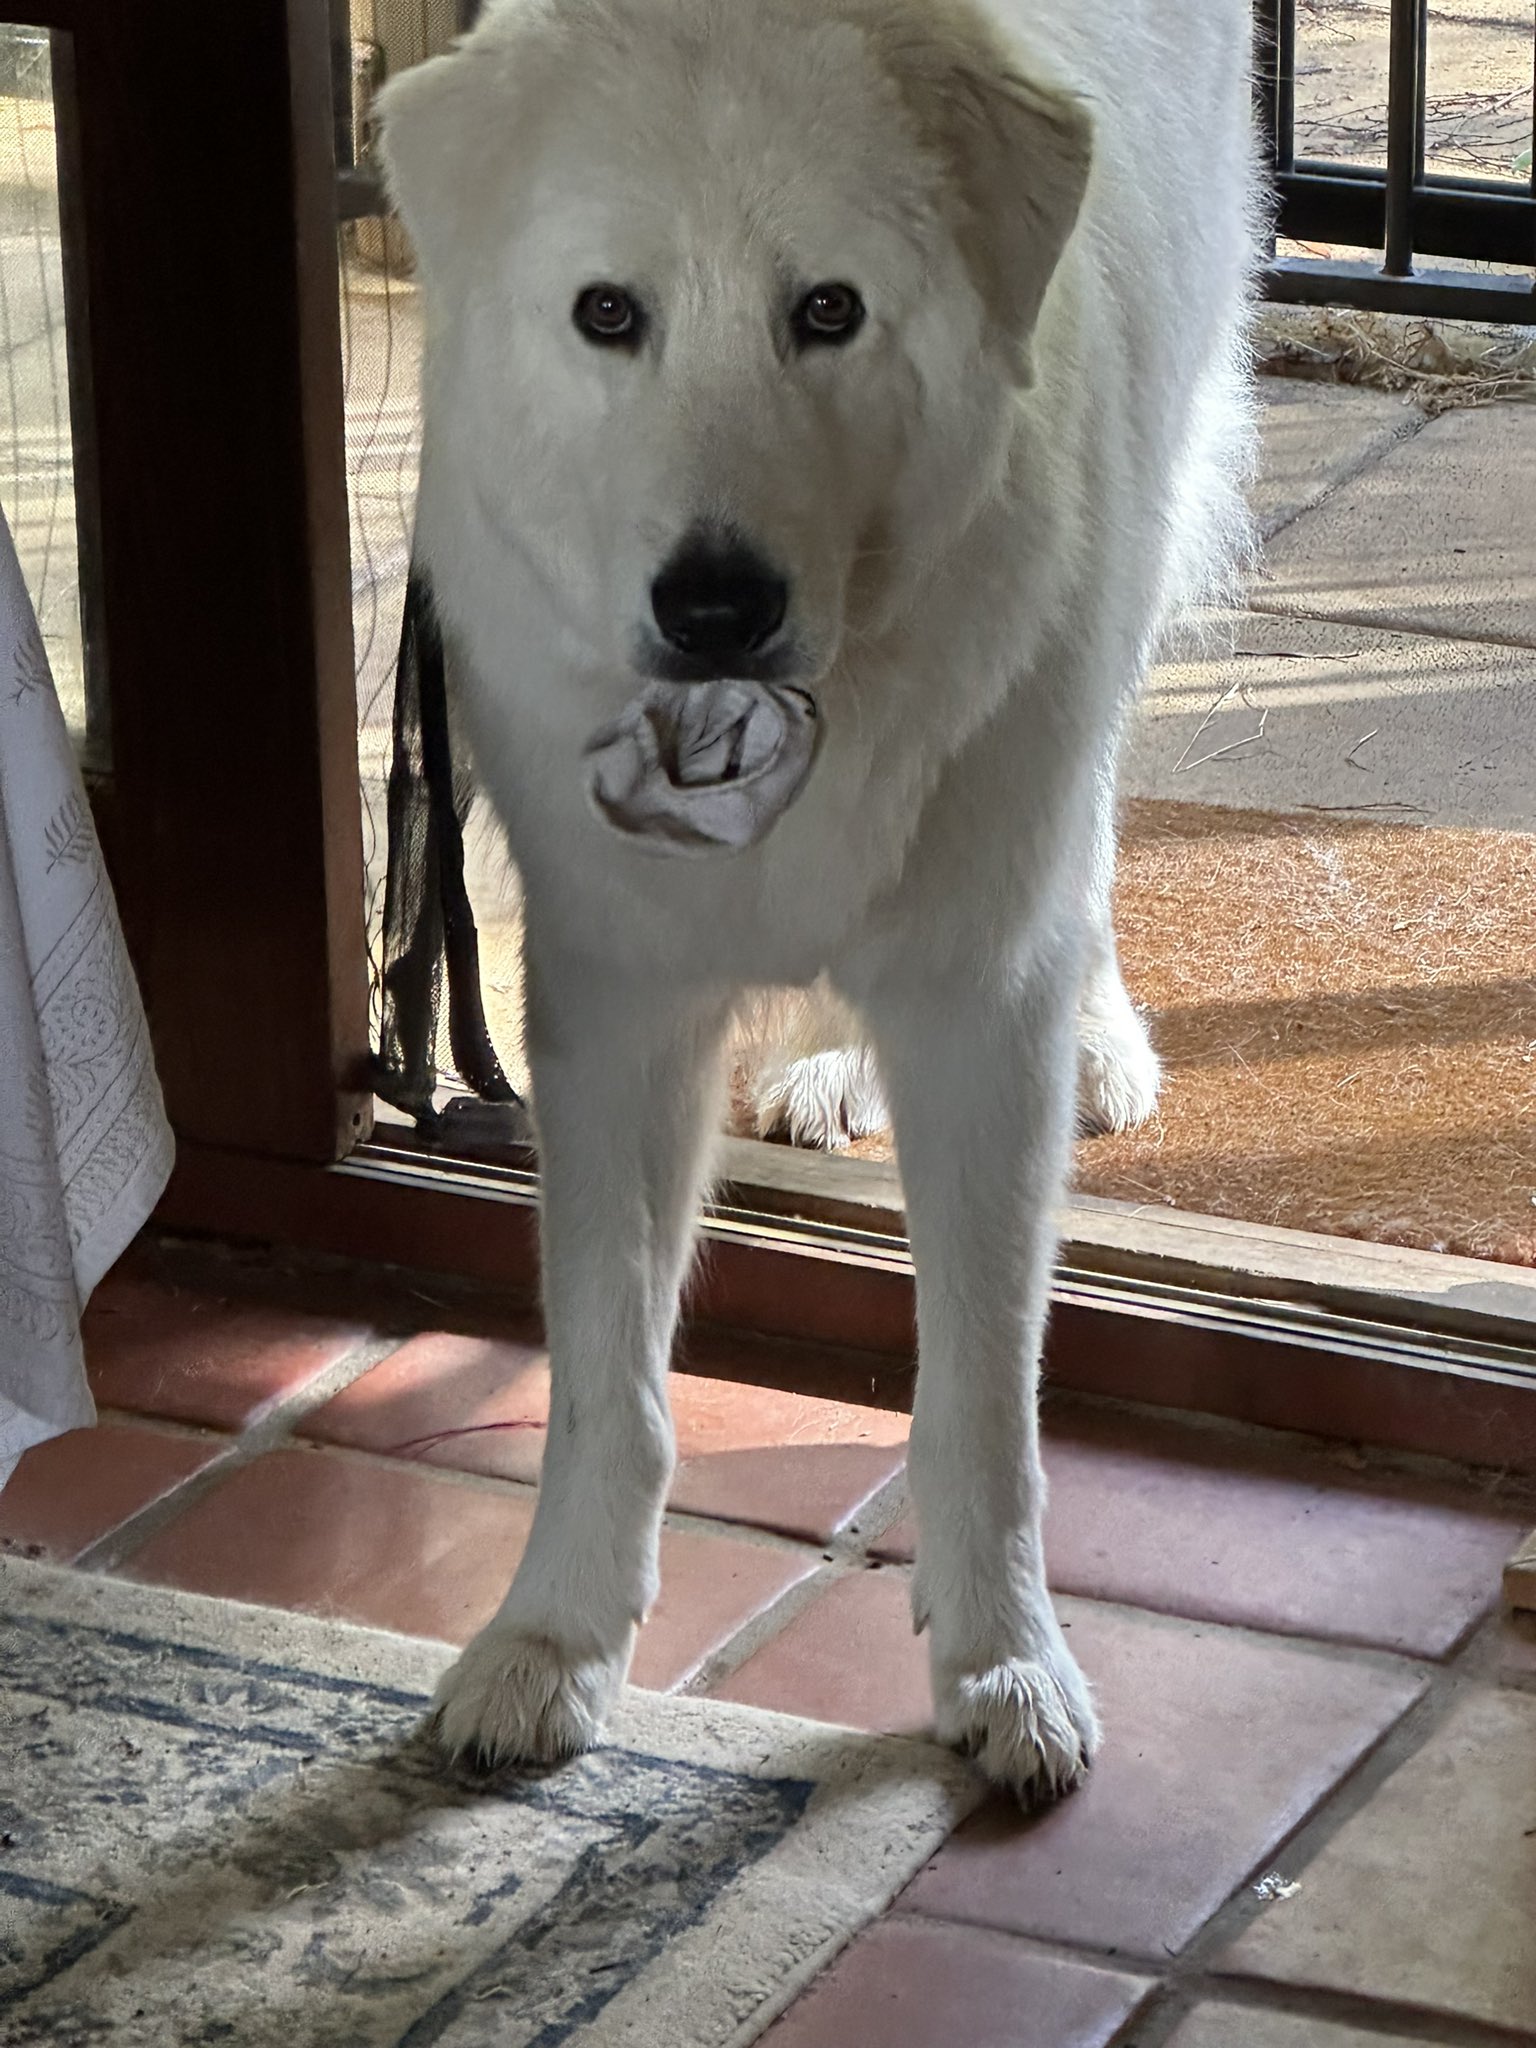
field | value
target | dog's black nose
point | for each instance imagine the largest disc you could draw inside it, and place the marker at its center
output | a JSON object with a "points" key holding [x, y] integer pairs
{"points": [[718, 602]]}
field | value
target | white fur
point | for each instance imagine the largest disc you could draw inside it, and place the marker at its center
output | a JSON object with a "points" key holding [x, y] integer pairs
{"points": [[810, 1075], [986, 506]]}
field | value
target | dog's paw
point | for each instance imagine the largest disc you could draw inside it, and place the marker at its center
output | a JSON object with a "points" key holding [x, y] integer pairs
{"points": [[517, 1697], [1118, 1073], [1029, 1722], [823, 1099]]}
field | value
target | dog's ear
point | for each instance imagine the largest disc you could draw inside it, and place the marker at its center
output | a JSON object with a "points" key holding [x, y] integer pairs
{"points": [[1018, 153], [437, 144]]}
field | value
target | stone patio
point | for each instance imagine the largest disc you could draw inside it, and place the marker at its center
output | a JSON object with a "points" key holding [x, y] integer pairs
{"points": [[1388, 652]]}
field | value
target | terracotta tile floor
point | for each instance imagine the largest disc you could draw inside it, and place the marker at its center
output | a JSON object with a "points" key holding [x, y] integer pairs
{"points": [[1298, 1654]]}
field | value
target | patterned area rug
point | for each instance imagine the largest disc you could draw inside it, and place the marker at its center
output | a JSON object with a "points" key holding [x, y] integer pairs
{"points": [[223, 1824]]}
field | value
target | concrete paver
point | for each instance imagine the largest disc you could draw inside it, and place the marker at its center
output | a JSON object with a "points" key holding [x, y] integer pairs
{"points": [[1278, 713], [1436, 537], [1317, 436]]}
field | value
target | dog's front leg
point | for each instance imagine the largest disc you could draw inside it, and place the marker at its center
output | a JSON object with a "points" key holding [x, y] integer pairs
{"points": [[980, 1079], [625, 1111]]}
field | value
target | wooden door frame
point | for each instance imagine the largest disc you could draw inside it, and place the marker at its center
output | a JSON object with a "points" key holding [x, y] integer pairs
{"points": [[203, 202]]}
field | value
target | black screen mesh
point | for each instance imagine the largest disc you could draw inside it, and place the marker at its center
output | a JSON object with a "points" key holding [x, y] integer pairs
{"points": [[430, 945]]}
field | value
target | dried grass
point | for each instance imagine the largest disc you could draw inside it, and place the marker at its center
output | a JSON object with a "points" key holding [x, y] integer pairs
{"points": [[1443, 363]]}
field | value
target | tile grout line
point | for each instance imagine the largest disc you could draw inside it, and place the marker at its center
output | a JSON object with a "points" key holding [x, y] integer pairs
{"points": [[845, 1555], [851, 1547], [846, 1548], [682, 1520], [1171, 1998], [1403, 1739], [845, 1552], [758, 1630], [1394, 2019], [837, 1566], [1355, 1648], [270, 1428]]}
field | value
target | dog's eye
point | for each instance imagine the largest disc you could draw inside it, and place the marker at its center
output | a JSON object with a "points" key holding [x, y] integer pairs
{"points": [[607, 314], [828, 313]]}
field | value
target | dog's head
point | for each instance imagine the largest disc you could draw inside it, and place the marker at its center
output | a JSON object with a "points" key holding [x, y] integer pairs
{"points": [[728, 302]]}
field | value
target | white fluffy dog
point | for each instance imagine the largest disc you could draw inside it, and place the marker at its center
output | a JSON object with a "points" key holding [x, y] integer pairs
{"points": [[893, 349]]}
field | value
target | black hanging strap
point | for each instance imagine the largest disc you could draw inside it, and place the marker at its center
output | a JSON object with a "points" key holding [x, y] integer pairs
{"points": [[428, 921]]}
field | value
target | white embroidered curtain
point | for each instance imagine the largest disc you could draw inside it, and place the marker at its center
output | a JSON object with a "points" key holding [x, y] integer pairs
{"points": [[85, 1149]]}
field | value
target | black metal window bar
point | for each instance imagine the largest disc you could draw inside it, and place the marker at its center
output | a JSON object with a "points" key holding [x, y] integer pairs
{"points": [[1405, 211]]}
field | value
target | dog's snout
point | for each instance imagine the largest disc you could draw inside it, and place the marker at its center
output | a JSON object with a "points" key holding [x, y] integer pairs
{"points": [[718, 602]]}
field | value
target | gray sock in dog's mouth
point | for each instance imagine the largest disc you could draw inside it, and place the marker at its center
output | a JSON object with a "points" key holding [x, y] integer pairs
{"points": [[704, 767]]}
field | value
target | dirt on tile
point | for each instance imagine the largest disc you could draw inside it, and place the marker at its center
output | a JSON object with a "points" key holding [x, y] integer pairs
{"points": [[1424, 1895]]}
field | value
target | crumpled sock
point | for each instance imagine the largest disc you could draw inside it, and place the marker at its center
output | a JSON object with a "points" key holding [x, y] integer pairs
{"points": [[704, 767]]}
